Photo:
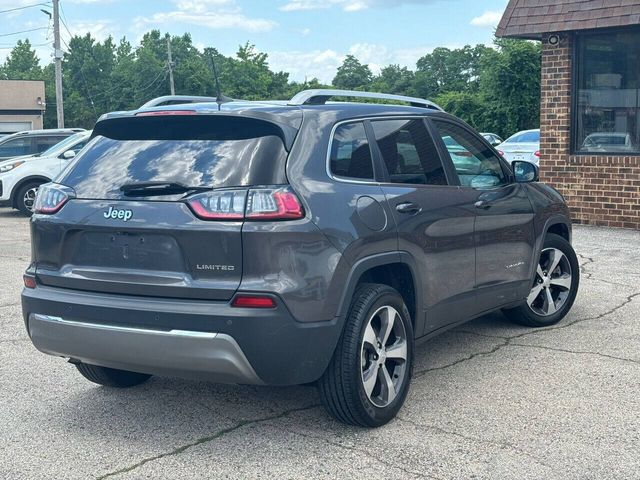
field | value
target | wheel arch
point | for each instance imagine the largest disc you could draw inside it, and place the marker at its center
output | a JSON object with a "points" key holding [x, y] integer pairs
{"points": [[395, 269], [24, 181]]}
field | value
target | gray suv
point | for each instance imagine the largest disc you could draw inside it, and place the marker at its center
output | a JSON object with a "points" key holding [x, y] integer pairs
{"points": [[288, 243]]}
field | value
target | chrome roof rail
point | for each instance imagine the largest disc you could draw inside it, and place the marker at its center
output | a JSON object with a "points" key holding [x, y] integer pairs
{"points": [[321, 96], [169, 100]]}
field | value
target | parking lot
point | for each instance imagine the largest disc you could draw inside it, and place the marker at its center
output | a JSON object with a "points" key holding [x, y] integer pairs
{"points": [[489, 400]]}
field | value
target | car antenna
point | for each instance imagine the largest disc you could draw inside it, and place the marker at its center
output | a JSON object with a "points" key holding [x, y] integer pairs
{"points": [[220, 98]]}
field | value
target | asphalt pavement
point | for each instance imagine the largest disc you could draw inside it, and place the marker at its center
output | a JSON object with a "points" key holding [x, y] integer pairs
{"points": [[488, 400]]}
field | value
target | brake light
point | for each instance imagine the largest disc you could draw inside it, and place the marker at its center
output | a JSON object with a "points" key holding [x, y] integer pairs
{"points": [[537, 154], [160, 113], [253, 301], [267, 203], [50, 199], [273, 204]]}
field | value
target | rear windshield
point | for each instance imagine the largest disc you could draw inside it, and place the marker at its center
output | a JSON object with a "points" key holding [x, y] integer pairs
{"points": [[195, 151]]}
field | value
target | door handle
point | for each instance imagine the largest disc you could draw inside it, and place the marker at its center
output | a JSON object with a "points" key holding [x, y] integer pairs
{"points": [[408, 207], [482, 205]]}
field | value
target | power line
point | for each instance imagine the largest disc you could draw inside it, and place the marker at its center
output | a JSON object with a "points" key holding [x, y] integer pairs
{"points": [[23, 31], [25, 7]]}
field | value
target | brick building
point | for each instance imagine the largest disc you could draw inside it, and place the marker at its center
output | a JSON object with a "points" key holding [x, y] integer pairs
{"points": [[22, 105], [590, 103]]}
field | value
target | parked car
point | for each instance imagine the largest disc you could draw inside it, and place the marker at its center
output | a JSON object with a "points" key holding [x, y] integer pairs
{"points": [[21, 177], [609, 142], [287, 244], [492, 138], [31, 142], [523, 146]]}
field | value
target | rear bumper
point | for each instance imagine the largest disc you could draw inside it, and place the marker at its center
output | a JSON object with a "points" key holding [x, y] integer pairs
{"points": [[171, 353], [186, 338]]}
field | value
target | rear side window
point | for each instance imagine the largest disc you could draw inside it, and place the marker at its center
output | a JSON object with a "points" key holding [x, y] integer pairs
{"points": [[195, 151], [409, 152], [46, 142], [350, 152]]}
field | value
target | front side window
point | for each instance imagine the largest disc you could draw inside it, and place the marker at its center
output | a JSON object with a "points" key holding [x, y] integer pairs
{"points": [[350, 152], [16, 147], [608, 94], [408, 152], [476, 165]]}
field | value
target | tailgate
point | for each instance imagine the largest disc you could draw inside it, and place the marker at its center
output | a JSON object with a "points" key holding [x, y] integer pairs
{"points": [[161, 249]]}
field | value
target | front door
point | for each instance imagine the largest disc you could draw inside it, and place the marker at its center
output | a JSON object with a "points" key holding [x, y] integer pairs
{"points": [[504, 228], [434, 218]]}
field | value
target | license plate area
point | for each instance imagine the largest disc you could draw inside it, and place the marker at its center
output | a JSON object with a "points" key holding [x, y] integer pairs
{"points": [[128, 250]]}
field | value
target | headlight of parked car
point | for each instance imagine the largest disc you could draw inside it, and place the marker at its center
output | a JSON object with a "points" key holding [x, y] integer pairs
{"points": [[10, 166]]}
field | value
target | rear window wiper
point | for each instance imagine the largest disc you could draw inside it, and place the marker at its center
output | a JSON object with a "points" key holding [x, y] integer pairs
{"points": [[152, 189]]}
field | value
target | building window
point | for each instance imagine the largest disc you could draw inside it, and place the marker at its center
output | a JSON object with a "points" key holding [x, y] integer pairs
{"points": [[607, 118]]}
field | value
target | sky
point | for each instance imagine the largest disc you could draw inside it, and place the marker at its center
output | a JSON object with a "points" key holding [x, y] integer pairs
{"points": [[307, 38]]}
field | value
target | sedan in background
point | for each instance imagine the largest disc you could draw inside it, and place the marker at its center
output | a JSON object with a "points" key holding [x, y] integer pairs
{"points": [[523, 146]]}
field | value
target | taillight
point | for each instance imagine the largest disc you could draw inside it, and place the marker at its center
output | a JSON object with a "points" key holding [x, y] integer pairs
{"points": [[267, 203], [219, 204], [537, 154], [273, 204], [51, 198], [252, 301], [29, 281], [501, 153]]}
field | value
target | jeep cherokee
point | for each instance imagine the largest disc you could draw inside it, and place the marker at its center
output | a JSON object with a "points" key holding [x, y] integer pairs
{"points": [[288, 243]]}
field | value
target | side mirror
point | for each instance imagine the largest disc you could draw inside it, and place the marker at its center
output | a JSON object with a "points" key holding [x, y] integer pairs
{"points": [[525, 172], [68, 155]]}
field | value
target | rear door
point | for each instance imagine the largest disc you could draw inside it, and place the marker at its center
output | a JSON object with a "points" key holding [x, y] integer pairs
{"points": [[132, 242], [435, 218], [504, 228]]}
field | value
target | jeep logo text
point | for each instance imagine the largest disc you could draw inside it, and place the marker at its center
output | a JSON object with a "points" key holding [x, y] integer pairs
{"points": [[115, 213]]}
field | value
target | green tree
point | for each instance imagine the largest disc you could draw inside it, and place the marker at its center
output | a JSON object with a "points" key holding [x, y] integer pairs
{"points": [[510, 87], [352, 74], [394, 79], [21, 64]]}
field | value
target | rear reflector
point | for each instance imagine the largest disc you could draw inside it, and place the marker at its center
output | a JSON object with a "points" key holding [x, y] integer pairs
{"points": [[162, 113], [29, 281], [253, 301], [267, 203]]}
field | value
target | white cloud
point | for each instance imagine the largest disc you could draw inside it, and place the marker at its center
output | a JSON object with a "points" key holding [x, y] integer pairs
{"points": [[323, 64], [346, 5], [99, 29], [215, 14], [490, 18]]}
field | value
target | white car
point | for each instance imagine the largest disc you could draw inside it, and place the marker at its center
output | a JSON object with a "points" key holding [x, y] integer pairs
{"points": [[523, 146], [20, 177]]}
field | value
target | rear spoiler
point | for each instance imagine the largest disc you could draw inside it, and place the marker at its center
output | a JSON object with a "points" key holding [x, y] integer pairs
{"points": [[120, 126]]}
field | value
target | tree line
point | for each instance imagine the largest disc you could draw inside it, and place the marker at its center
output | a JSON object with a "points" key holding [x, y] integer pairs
{"points": [[493, 89]]}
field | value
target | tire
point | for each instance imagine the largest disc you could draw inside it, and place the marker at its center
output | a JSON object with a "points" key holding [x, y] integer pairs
{"points": [[26, 206], [110, 377], [342, 387], [561, 282]]}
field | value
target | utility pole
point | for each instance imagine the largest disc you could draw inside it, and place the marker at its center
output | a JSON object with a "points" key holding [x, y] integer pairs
{"points": [[170, 65], [57, 56]]}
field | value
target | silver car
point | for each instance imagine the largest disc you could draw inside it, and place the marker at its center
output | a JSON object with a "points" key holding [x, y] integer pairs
{"points": [[523, 146]]}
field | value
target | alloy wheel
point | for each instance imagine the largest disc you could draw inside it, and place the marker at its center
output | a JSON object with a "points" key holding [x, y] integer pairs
{"points": [[552, 284], [384, 356], [29, 198]]}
